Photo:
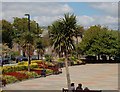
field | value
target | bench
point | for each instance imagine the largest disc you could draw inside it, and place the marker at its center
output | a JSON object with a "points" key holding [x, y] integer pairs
{"points": [[66, 90]]}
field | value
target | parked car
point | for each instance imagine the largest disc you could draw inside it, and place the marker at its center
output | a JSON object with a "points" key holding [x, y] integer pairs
{"points": [[117, 58], [4, 61], [21, 58], [90, 58], [34, 57]]}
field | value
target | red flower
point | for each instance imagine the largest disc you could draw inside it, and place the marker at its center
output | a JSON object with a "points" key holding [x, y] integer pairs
{"points": [[18, 75], [37, 71]]}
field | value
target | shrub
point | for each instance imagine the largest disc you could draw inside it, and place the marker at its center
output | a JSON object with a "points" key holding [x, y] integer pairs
{"points": [[48, 58], [72, 58], [33, 65], [36, 71], [9, 79], [61, 60], [7, 69], [30, 74], [49, 64], [21, 63], [21, 66], [49, 71]]}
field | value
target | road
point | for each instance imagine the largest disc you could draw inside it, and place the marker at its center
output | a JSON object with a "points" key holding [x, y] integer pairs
{"points": [[93, 76]]}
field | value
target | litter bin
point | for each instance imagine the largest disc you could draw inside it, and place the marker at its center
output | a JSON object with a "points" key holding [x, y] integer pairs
{"points": [[43, 72]]}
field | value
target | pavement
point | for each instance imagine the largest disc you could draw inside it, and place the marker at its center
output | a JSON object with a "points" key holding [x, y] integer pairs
{"points": [[93, 76]]}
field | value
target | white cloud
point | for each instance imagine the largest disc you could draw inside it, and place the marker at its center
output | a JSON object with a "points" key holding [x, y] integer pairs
{"points": [[85, 20], [46, 20], [108, 8], [108, 21], [41, 9], [46, 13]]}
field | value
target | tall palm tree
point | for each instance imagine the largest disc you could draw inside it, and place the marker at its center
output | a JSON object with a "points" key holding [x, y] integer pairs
{"points": [[40, 47], [27, 42], [61, 33]]}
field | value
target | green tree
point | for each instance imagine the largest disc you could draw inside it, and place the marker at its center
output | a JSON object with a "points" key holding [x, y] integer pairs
{"points": [[40, 47], [78, 33], [118, 40], [28, 44], [98, 40], [7, 31], [21, 27], [61, 33]]}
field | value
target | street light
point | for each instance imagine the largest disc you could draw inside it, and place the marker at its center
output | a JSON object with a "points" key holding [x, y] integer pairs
{"points": [[37, 27], [28, 21], [28, 43]]}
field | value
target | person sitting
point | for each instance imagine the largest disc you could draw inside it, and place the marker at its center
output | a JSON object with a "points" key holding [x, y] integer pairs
{"points": [[72, 87], [79, 87], [86, 89]]}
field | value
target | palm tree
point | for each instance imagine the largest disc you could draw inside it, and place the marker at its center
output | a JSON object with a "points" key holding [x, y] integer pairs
{"points": [[40, 47], [61, 33], [27, 42]]}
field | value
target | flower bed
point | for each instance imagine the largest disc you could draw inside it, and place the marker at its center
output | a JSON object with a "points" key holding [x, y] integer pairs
{"points": [[18, 75], [29, 74], [19, 67], [19, 72], [9, 79], [36, 71], [41, 65]]}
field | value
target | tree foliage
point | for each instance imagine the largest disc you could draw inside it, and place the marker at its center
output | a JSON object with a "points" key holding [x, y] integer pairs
{"points": [[40, 47], [61, 35], [99, 40], [62, 32], [7, 33]]}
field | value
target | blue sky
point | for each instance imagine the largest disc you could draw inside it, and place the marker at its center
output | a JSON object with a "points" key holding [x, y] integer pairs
{"points": [[45, 13], [83, 8]]}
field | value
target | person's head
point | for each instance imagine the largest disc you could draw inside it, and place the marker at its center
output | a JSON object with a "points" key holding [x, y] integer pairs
{"points": [[72, 84], [80, 85], [86, 88]]}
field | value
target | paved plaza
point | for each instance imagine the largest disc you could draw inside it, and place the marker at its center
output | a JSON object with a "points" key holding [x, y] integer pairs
{"points": [[94, 76]]}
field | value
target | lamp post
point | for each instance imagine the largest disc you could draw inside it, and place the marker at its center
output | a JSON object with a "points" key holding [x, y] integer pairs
{"points": [[28, 15], [37, 27]]}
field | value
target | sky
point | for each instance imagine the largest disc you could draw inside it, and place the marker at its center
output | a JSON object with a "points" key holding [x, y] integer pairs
{"points": [[45, 13]]}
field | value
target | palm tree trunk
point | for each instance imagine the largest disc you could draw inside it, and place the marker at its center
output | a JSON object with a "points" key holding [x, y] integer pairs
{"points": [[38, 54], [43, 61], [29, 63], [29, 57], [23, 53], [77, 40], [77, 44], [67, 73]]}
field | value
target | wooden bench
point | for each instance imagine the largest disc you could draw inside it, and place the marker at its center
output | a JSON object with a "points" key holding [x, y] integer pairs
{"points": [[66, 90]]}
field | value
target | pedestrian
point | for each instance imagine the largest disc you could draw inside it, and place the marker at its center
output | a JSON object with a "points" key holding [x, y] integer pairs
{"points": [[79, 87], [72, 87], [86, 89], [43, 73]]}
